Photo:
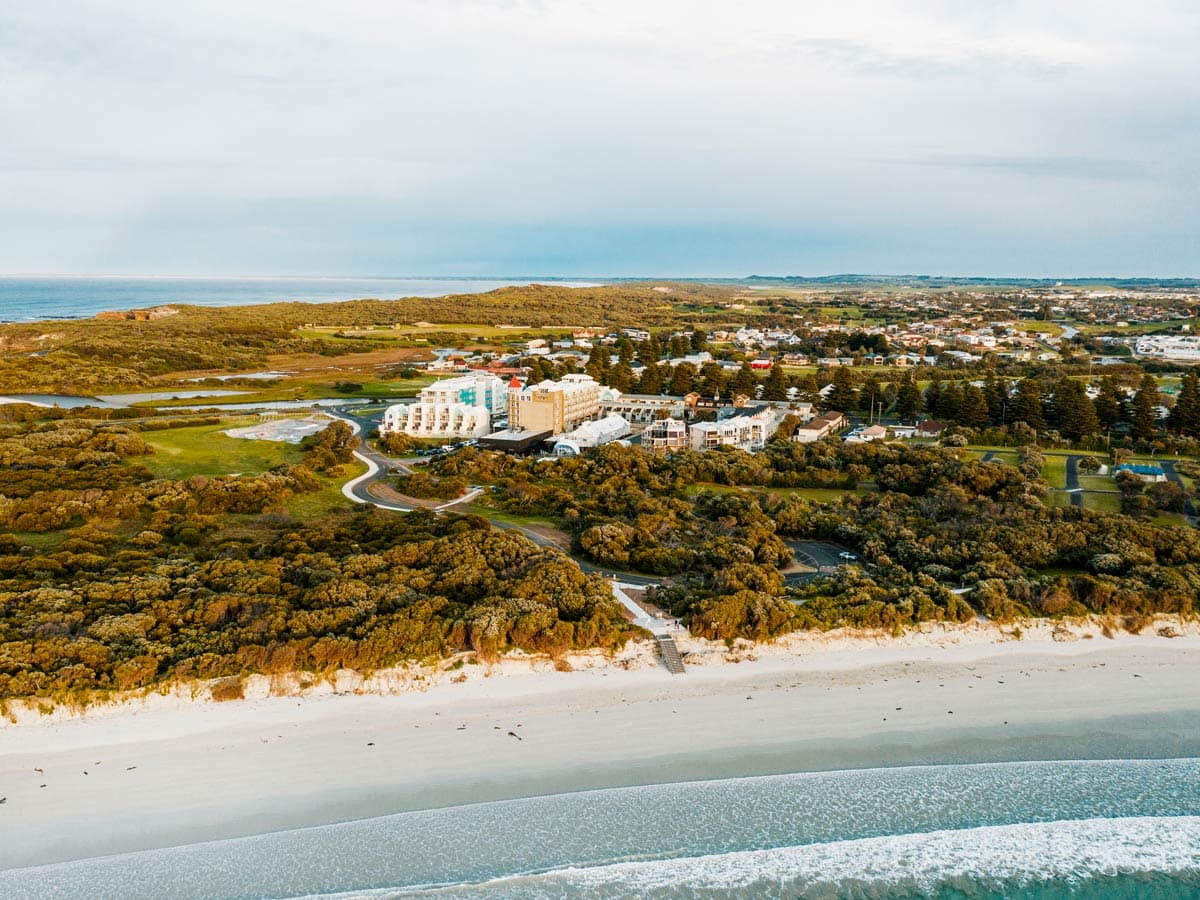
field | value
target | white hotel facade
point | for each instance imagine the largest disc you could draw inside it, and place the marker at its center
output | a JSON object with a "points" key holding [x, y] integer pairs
{"points": [[455, 408]]}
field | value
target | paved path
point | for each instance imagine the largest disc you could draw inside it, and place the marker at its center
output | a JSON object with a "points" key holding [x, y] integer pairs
{"points": [[358, 490], [1189, 508], [1073, 487]]}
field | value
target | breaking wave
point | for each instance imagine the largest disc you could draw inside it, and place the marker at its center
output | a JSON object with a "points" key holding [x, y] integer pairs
{"points": [[968, 862]]}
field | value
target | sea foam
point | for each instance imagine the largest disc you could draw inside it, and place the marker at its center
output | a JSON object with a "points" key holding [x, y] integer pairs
{"points": [[989, 858]]}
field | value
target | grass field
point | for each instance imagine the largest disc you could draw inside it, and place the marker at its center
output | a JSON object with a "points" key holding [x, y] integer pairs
{"points": [[1055, 471], [1039, 327], [320, 503], [1097, 483], [317, 389], [204, 450], [1110, 503]]}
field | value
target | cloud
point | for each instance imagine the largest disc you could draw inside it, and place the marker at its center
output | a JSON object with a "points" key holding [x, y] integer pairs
{"points": [[1074, 167], [713, 136]]}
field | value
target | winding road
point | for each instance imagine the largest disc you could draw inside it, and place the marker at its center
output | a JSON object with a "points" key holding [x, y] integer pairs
{"points": [[379, 466]]}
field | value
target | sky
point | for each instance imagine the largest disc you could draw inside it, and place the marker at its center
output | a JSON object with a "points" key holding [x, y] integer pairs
{"points": [[600, 137]]}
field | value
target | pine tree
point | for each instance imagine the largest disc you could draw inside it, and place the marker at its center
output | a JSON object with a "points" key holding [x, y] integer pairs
{"points": [[843, 397], [974, 408], [950, 403], [809, 388], [1027, 404], [712, 379], [745, 382], [1185, 417], [933, 395], [776, 386], [651, 381], [1145, 416], [699, 340], [909, 402], [997, 400], [682, 379], [1073, 413], [537, 370], [679, 346], [625, 350], [619, 377], [652, 350], [1109, 404], [597, 364]]}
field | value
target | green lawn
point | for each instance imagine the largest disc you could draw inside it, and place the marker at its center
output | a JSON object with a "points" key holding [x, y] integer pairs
{"points": [[1040, 327], [1097, 483], [1109, 503], [1171, 520], [307, 389], [1055, 471], [1058, 498], [203, 450], [320, 503]]}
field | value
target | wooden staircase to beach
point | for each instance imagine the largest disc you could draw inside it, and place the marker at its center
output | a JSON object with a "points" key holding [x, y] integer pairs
{"points": [[670, 654]]}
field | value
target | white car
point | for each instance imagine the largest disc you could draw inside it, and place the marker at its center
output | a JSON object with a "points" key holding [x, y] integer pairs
{"points": [[847, 555]]}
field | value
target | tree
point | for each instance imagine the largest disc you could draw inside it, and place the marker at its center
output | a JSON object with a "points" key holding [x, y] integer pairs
{"points": [[997, 400], [933, 395], [537, 370], [699, 340], [843, 397], [809, 389], [597, 364], [974, 408], [909, 402], [776, 386], [1027, 404], [652, 350], [1185, 416], [620, 377], [712, 379], [1074, 414], [682, 379], [950, 402], [1110, 407], [1145, 416], [745, 381], [651, 381], [625, 350]]}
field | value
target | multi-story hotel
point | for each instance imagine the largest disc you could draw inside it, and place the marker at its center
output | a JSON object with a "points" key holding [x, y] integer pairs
{"points": [[553, 406], [455, 408], [665, 434], [748, 430]]}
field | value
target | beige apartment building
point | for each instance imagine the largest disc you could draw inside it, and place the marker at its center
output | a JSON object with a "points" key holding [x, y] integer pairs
{"points": [[554, 406]]}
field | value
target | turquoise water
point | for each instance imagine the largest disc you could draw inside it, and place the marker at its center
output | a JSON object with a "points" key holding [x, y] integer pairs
{"points": [[25, 298], [1125, 828]]}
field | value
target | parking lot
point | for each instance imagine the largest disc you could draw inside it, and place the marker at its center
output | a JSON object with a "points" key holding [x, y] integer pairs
{"points": [[821, 556]]}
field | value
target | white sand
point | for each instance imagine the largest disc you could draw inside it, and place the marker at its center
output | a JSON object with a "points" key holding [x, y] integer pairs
{"points": [[170, 772]]}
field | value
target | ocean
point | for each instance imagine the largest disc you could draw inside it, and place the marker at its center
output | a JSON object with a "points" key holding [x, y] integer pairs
{"points": [[1056, 829], [30, 298]]}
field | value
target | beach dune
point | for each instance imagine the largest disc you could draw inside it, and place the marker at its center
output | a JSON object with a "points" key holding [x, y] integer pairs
{"points": [[143, 778]]}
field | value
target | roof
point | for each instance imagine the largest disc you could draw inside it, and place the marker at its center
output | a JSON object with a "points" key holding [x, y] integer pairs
{"points": [[514, 441], [1140, 469]]}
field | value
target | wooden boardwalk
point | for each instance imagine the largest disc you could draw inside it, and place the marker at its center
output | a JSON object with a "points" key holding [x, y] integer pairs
{"points": [[670, 654]]}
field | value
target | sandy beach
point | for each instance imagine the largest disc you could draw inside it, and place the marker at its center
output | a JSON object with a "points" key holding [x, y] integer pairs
{"points": [[170, 772]]}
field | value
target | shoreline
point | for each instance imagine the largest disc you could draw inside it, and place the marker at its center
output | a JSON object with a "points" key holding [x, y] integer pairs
{"points": [[187, 772]]}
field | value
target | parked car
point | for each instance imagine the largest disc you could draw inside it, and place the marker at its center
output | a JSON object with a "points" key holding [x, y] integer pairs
{"points": [[847, 555]]}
